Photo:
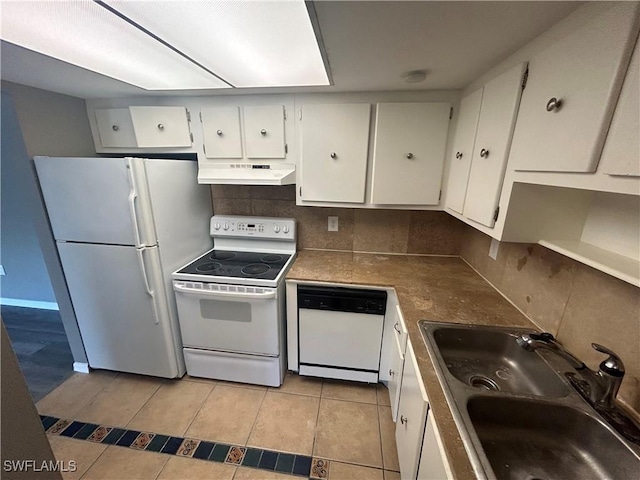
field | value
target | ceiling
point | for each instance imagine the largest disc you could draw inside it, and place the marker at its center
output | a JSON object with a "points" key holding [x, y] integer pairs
{"points": [[369, 45]]}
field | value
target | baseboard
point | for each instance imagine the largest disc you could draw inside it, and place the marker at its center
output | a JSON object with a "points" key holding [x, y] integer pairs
{"points": [[81, 367], [16, 302]]}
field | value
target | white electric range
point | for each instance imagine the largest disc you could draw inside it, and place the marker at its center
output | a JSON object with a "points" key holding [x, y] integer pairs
{"points": [[231, 301]]}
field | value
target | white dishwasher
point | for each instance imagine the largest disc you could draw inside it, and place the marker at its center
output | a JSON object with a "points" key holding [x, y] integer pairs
{"points": [[340, 332]]}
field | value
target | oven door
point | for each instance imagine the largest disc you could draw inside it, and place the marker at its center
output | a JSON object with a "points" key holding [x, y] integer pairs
{"points": [[230, 318]]}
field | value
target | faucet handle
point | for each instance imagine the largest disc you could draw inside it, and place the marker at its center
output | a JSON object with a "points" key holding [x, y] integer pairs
{"points": [[613, 365], [544, 336]]}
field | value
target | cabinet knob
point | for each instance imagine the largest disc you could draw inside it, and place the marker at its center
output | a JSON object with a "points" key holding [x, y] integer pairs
{"points": [[391, 372], [115, 128], [459, 155], [403, 419], [554, 104], [409, 155], [160, 126], [219, 132], [484, 153], [334, 155], [263, 132]]}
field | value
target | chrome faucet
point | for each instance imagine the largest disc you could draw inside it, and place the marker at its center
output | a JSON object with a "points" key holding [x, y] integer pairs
{"points": [[599, 387]]}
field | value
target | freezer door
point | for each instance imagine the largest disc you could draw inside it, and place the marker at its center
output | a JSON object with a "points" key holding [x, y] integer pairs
{"points": [[121, 307], [96, 200]]}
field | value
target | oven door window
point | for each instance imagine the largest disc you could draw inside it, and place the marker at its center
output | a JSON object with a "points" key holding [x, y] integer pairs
{"points": [[224, 310]]}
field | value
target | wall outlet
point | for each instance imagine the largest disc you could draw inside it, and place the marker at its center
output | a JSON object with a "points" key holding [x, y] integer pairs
{"points": [[493, 249], [332, 224], [2, 272]]}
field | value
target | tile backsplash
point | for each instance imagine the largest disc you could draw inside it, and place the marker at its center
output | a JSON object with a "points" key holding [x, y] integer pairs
{"points": [[576, 303], [360, 230]]}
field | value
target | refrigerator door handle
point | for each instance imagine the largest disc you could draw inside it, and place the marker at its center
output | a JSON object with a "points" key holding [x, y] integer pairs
{"points": [[147, 285], [133, 196]]}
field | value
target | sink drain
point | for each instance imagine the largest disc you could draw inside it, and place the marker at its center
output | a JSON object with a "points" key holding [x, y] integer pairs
{"points": [[484, 383]]}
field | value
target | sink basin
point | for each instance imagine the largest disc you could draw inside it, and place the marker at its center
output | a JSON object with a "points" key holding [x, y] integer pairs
{"points": [[492, 360], [517, 415], [525, 439]]}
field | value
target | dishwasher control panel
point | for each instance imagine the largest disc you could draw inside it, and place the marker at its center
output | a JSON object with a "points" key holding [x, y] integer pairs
{"points": [[338, 299]]}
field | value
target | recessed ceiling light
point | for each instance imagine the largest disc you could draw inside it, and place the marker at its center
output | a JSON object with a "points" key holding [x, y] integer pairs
{"points": [[414, 76], [174, 45]]}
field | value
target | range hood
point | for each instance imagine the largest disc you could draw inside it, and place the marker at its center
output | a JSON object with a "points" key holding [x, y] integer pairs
{"points": [[248, 174]]}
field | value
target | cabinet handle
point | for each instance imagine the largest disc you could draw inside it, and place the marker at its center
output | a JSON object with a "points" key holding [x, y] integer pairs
{"points": [[484, 153], [219, 132], [263, 132], [395, 327], [160, 126], [115, 128], [409, 155], [391, 372], [403, 419], [333, 155], [458, 155], [554, 104]]}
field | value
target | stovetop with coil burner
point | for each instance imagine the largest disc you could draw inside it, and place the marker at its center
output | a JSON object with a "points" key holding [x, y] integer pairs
{"points": [[225, 263]]}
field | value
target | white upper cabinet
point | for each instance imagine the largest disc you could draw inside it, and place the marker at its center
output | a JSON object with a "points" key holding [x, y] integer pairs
{"points": [[161, 126], [221, 132], [115, 128], [463, 141], [264, 131], [500, 100], [408, 153], [571, 92], [262, 126], [621, 154], [334, 146]]}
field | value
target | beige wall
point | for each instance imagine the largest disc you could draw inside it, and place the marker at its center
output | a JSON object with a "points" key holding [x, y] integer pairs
{"points": [[361, 230], [576, 303]]}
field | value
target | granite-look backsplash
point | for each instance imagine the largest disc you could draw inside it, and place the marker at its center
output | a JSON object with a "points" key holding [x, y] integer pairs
{"points": [[360, 230], [576, 303]]}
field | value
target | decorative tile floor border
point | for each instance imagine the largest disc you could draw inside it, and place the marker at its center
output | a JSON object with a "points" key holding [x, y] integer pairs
{"points": [[288, 463]]}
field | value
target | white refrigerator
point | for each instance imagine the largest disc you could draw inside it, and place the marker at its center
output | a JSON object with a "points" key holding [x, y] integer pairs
{"points": [[122, 226]]}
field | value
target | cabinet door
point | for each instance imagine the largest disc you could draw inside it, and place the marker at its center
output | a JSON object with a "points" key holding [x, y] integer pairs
{"points": [[412, 415], [335, 141], [395, 373], [500, 100], [432, 463], [161, 126], [583, 72], [264, 131], [221, 132], [621, 154], [463, 142], [408, 153], [115, 127]]}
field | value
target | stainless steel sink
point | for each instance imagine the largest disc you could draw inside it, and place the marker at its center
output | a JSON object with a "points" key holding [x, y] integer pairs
{"points": [[526, 439], [492, 360], [517, 414]]}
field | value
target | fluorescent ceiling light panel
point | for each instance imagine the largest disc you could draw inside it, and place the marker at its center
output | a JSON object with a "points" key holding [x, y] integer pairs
{"points": [[85, 34], [268, 43]]}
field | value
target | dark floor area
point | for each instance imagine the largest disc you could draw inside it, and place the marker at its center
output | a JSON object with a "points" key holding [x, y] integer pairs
{"points": [[41, 346]]}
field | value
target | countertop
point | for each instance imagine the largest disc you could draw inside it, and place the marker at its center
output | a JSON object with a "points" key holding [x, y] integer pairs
{"points": [[434, 288]]}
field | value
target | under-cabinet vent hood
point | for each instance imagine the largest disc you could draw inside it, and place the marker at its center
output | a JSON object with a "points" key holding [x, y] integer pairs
{"points": [[248, 174]]}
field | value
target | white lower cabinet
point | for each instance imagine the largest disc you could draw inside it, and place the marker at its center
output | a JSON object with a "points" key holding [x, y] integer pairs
{"points": [[432, 465], [412, 415]]}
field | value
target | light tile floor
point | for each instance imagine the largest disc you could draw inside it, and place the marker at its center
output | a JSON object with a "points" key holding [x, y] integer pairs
{"points": [[347, 423]]}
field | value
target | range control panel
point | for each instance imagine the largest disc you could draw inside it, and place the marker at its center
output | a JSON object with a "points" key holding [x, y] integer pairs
{"points": [[258, 227]]}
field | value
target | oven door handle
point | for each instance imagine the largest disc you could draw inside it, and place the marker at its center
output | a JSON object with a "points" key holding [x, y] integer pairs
{"points": [[213, 293]]}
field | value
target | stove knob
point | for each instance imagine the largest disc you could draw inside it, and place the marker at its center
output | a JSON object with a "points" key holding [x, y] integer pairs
{"points": [[225, 226], [276, 229], [285, 229], [217, 226]]}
